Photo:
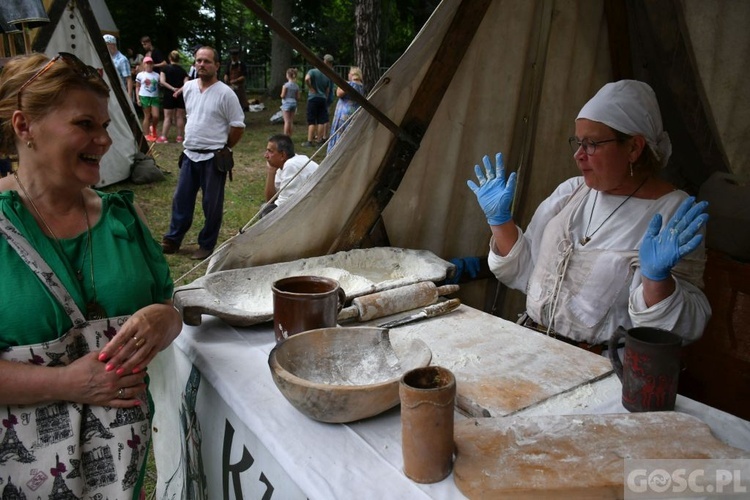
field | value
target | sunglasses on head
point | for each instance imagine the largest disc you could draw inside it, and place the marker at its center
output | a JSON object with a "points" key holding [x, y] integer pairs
{"points": [[82, 69]]}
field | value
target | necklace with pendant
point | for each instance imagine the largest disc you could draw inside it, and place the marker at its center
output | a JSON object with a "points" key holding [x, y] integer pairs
{"points": [[586, 236], [79, 270], [94, 310]]}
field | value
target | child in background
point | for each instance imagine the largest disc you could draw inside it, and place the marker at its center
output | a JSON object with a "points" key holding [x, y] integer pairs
{"points": [[289, 93], [147, 96]]}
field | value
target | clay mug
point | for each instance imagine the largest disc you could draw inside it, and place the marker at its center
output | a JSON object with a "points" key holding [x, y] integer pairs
{"points": [[650, 370], [302, 303], [427, 397]]}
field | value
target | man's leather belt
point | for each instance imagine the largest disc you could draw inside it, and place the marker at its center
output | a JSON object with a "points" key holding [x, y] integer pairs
{"points": [[204, 151], [595, 348]]}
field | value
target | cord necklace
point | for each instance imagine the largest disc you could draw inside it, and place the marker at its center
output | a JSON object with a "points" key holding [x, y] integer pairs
{"points": [[586, 236], [94, 310]]}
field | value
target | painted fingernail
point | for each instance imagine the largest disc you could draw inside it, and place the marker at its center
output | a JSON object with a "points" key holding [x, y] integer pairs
{"points": [[120, 371], [103, 357], [136, 370], [109, 367]]}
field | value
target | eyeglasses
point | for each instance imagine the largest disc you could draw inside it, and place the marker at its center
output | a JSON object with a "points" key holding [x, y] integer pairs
{"points": [[589, 146], [81, 69]]}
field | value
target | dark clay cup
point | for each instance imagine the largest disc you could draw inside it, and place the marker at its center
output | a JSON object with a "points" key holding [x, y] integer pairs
{"points": [[302, 303], [650, 370]]}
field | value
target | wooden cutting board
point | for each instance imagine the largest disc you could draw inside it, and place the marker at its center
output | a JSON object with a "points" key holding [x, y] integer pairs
{"points": [[501, 367], [572, 456]]}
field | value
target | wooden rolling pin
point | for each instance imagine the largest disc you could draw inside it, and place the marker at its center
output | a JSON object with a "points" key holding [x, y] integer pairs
{"points": [[387, 302]]}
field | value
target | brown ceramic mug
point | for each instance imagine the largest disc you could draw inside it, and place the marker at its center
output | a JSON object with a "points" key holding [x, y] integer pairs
{"points": [[302, 303], [650, 370]]}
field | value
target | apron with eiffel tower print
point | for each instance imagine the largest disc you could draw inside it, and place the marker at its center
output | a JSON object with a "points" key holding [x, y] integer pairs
{"points": [[65, 450]]}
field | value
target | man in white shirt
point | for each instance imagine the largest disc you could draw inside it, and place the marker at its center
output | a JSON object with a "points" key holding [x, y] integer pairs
{"points": [[286, 172], [215, 121]]}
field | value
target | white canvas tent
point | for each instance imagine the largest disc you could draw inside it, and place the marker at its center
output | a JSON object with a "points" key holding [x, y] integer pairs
{"points": [[510, 75], [76, 26], [515, 75]]}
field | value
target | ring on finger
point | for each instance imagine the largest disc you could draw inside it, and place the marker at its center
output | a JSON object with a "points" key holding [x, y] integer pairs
{"points": [[121, 393], [139, 342]]}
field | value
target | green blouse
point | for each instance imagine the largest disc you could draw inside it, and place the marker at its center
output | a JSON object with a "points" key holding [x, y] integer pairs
{"points": [[130, 271]]}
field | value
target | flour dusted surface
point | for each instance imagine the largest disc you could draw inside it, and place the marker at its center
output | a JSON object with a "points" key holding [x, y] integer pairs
{"points": [[502, 368]]}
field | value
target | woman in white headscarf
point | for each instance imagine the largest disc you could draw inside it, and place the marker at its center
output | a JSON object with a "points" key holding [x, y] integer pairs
{"points": [[615, 247]]}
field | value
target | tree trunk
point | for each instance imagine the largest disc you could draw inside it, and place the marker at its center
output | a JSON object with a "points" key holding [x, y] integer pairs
{"points": [[281, 52], [367, 40], [218, 23]]}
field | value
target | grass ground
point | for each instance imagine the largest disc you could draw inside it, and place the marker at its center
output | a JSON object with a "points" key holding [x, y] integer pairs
{"points": [[244, 195], [243, 198]]}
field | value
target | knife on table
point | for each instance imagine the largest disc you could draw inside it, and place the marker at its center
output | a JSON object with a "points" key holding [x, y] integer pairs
{"points": [[427, 312]]}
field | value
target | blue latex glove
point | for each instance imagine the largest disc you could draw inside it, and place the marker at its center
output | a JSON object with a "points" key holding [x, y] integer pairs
{"points": [[494, 195], [661, 249], [468, 264]]}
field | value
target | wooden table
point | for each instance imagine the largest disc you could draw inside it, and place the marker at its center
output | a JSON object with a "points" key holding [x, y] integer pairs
{"points": [[245, 440], [501, 367]]}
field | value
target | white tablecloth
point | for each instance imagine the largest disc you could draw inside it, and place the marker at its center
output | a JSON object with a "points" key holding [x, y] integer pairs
{"points": [[244, 436]]}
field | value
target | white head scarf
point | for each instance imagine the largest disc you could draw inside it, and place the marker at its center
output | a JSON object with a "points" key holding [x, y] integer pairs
{"points": [[630, 106]]}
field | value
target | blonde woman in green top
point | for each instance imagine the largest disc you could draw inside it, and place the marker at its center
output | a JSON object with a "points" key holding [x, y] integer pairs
{"points": [[98, 249]]}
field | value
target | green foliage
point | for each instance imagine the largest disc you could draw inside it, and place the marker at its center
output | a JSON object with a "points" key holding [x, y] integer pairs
{"points": [[241, 28], [168, 24], [402, 20], [325, 26]]}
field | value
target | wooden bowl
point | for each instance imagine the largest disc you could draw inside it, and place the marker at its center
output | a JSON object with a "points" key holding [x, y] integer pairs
{"points": [[344, 374]]}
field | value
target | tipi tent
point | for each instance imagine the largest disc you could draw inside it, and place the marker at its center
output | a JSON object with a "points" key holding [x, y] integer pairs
{"points": [[510, 75], [75, 27]]}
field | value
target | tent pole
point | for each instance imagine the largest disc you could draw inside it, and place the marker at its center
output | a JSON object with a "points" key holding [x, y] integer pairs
{"points": [[26, 40], [89, 19], [416, 120], [44, 33], [12, 44], [308, 54]]}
